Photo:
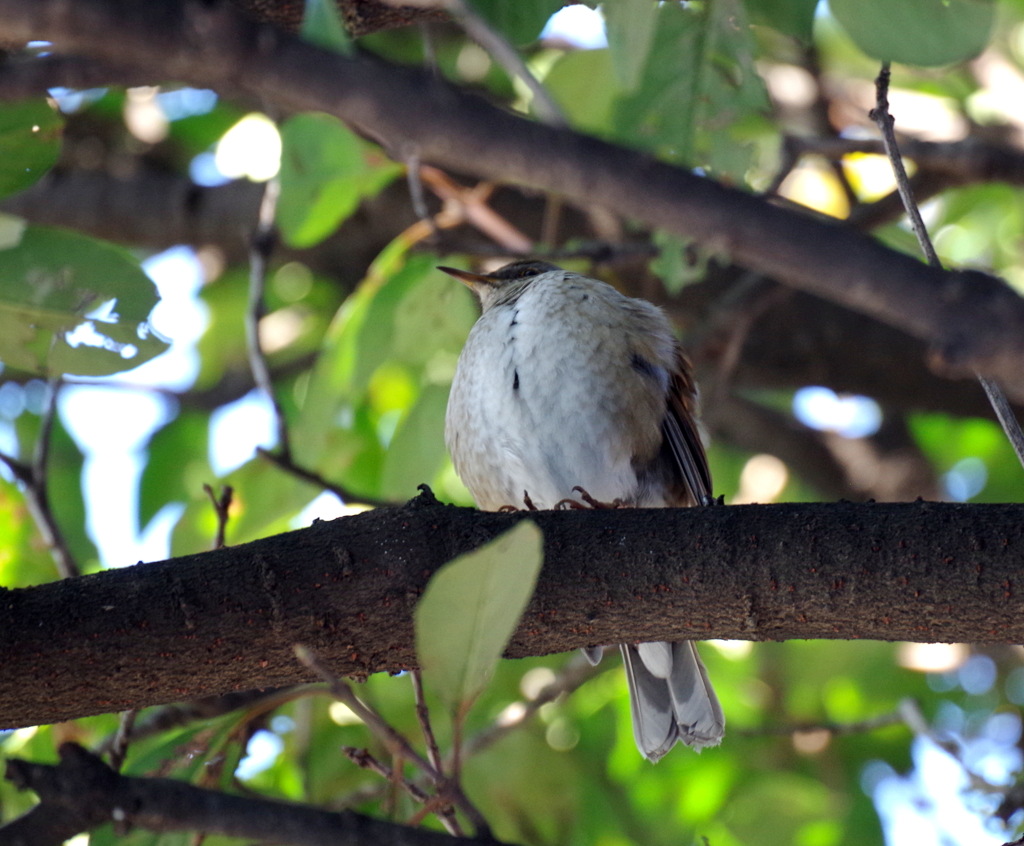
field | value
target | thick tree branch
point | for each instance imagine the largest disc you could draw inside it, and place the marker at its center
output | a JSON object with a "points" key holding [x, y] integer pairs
{"points": [[227, 620], [83, 788], [971, 321]]}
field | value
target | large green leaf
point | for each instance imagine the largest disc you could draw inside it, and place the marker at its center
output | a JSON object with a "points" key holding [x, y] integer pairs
{"points": [[699, 86], [471, 608], [50, 281], [325, 172], [30, 134], [585, 85], [520, 21], [917, 32], [630, 25]]}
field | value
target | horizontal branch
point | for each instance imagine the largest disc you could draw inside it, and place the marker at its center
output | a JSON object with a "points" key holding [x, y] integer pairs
{"points": [[971, 321], [84, 790], [227, 620]]}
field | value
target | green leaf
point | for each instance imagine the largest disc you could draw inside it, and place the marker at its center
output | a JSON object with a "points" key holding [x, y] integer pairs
{"points": [[792, 17], [324, 175], [679, 262], [470, 609], [584, 84], [630, 25], [50, 281], [520, 21], [321, 25], [417, 448], [917, 32], [30, 135], [699, 87], [176, 464]]}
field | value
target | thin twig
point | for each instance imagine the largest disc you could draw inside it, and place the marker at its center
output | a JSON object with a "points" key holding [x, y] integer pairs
{"points": [[260, 250], [221, 507], [508, 57], [311, 476], [419, 203], [119, 748], [394, 741], [881, 116], [424, 717], [364, 759]]}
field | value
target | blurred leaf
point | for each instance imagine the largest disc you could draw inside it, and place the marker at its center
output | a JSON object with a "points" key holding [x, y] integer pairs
{"points": [[324, 175], [630, 25], [321, 25], [64, 486], [917, 32], [417, 448], [679, 262], [50, 281], [24, 560], [470, 609], [30, 136], [584, 84], [520, 21], [792, 17], [176, 464], [699, 85]]}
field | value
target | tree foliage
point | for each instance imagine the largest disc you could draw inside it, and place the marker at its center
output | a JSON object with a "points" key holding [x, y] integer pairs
{"points": [[715, 157]]}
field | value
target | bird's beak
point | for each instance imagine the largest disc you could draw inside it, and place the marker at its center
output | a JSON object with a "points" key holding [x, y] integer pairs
{"points": [[470, 280]]}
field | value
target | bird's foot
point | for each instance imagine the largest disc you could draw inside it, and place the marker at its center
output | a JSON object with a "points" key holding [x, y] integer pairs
{"points": [[507, 509], [588, 502]]}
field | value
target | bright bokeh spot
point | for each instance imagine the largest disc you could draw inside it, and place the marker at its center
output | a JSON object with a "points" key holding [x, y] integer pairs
{"points": [[251, 148], [238, 428], [850, 415], [966, 479], [871, 176], [263, 749], [762, 480], [813, 183], [144, 115], [932, 657], [579, 25], [734, 650]]}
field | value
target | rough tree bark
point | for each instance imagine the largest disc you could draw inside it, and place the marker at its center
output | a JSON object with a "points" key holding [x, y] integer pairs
{"points": [[227, 620]]}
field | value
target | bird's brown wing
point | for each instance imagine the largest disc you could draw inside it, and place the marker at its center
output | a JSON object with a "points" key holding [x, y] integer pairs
{"points": [[682, 437]]}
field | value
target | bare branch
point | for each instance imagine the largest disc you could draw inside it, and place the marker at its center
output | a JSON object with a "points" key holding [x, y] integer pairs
{"points": [[96, 794], [226, 620]]}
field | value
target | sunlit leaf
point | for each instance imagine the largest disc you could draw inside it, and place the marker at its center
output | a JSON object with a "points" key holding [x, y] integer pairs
{"points": [[324, 174], [72, 304], [917, 32], [30, 137], [471, 608]]}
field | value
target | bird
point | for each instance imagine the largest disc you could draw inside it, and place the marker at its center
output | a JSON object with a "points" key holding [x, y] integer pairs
{"points": [[567, 387]]}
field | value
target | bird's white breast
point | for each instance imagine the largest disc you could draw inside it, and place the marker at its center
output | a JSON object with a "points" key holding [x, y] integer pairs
{"points": [[548, 395]]}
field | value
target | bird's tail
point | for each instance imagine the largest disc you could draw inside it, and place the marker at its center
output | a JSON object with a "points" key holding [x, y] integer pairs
{"points": [[671, 698]]}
